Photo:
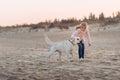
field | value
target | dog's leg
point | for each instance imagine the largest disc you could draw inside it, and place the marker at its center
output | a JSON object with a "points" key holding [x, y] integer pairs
{"points": [[67, 54], [71, 58], [71, 53], [52, 50], [59, 59]]}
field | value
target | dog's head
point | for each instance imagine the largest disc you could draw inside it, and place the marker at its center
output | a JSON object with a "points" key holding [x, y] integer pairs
{"points": [[75, 40]]}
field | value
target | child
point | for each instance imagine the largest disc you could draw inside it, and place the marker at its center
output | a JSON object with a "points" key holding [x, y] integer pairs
{"points": [[82, 32]]}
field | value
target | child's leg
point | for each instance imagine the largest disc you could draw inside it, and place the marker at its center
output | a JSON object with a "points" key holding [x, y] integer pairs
{"points": [[83, 50], [80, 50]]}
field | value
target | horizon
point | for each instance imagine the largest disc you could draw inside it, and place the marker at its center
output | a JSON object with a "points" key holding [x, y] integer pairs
{"points": [[33, 11]]}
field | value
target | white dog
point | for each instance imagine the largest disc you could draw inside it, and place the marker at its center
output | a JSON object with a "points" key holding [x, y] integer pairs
{"points": [[60, 47]]}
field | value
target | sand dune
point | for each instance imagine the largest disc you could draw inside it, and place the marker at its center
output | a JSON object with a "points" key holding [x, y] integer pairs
{"points": [[23, 54]]}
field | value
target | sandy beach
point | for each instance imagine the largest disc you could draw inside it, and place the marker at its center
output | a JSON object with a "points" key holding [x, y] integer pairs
{"points": [[23, 54]]}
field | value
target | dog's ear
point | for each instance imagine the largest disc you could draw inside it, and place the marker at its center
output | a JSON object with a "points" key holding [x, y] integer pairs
{"points": [[72, 39]]}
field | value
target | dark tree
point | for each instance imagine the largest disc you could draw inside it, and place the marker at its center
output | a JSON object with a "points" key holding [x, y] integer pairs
{"points": [[101, 16]]}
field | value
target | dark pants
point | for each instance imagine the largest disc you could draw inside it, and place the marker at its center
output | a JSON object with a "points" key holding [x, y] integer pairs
{"points": [[81, 49]]}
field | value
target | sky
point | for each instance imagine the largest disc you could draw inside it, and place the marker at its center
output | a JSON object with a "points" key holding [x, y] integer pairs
{"points": [[14, 12]]}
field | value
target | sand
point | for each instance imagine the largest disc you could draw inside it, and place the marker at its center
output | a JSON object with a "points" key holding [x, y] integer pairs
{"points": [[23, 54]]}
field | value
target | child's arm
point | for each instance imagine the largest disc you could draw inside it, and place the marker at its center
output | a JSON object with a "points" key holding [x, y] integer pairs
{"points": [[89, 38], [74, 34]]}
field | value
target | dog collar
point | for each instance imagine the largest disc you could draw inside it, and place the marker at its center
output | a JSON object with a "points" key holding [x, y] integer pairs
{"points": [[71, 42]]}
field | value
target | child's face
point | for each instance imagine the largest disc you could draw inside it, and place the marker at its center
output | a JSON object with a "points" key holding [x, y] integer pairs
{"points": [[83, 28]]}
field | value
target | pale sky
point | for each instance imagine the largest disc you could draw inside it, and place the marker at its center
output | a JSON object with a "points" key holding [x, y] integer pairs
{"points": [[33, 11]]}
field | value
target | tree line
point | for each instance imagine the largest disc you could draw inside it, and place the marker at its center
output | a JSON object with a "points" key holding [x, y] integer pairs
{"points": [[66, 23]]}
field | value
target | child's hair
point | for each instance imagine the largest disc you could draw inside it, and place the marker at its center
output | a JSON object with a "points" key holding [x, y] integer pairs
{"points": [[82, 24]]}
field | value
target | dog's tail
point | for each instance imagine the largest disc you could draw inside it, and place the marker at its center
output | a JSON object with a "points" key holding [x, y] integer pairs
{"points": [[48, 41]]}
